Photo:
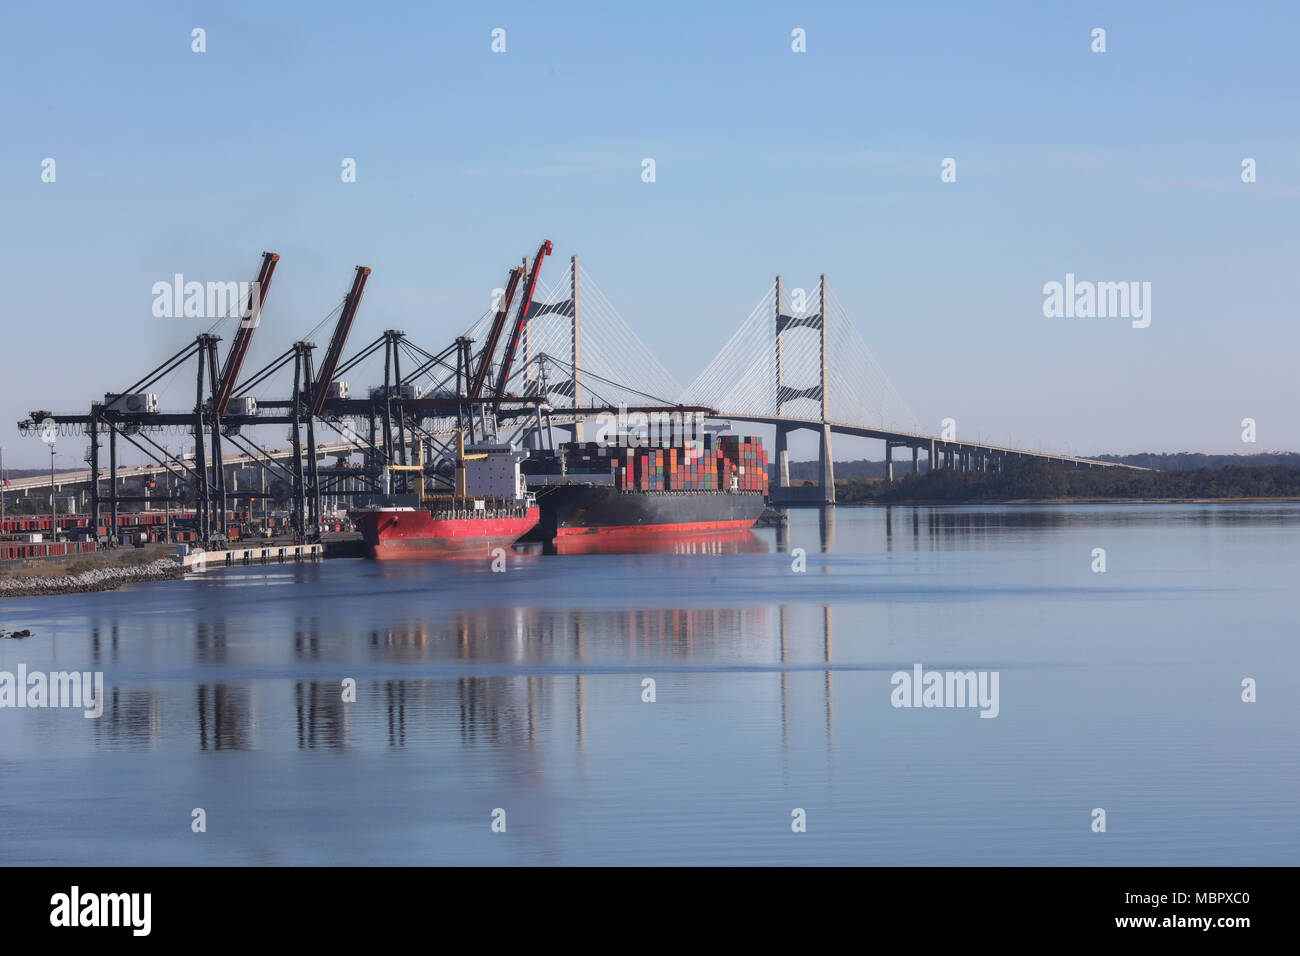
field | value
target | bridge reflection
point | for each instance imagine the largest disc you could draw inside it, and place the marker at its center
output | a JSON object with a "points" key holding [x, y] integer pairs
{"points": [[942, 527]]}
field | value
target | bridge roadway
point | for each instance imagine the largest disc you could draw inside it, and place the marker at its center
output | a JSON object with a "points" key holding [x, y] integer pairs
{"points": [[940, 446], [939, 450], [124, 472], [926, 442]]}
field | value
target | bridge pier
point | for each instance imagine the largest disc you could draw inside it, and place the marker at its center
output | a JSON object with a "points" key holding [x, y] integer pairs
{"points": [[783, 493], [783, 456], [827, 466], [889, 461]]}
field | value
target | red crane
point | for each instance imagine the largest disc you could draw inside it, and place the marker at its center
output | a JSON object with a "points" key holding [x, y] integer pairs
{"points": [[224, 387], [494, 334], [521, 317], [325, 374]]}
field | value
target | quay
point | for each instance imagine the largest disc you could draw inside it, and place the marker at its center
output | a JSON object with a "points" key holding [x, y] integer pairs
{"points": [[194, 560]]}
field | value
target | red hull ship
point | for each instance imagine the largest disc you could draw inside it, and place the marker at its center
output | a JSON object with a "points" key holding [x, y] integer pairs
{"points": [[495, 514], [391, 533]]}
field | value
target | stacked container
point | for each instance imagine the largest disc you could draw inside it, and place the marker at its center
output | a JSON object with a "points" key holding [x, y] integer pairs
{"points": [[747, 460], [707, 465]]}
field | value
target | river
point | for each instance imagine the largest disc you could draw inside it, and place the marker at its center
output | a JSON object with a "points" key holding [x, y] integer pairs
{"points": [[520, 697]]}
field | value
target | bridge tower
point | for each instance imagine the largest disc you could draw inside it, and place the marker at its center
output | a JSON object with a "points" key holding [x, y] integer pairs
{"points": [[575, 346], [825, 494]]}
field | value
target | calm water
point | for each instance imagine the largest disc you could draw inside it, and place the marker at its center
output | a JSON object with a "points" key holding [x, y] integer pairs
{"points": [[523, 691]]}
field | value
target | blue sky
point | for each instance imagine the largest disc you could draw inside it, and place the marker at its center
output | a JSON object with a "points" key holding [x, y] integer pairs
{"points": [[1118, 166]]}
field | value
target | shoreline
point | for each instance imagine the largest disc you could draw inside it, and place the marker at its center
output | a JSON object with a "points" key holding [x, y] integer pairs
{"points": [[96, 579]]}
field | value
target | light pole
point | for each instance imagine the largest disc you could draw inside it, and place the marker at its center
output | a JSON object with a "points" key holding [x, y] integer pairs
{"points": [[167, 502], [54, 515]]}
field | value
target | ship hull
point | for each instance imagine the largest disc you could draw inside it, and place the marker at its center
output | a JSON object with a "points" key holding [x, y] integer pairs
{"points": [[577, 510], [397, 533]]}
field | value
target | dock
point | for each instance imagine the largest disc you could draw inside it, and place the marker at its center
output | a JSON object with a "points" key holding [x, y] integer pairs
{"points": [[260, 554]]}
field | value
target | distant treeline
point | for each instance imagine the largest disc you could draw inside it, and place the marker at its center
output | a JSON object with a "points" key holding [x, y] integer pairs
{"points": [[1032, 479], [1193, 461], [1179, 461]]}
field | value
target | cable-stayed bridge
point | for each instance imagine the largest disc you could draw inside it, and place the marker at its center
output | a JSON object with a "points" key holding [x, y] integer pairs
{"points": [[795, 362]]}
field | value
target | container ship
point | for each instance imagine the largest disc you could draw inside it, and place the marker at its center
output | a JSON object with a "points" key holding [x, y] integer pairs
{"points": [[491, 507], [719, 483]]}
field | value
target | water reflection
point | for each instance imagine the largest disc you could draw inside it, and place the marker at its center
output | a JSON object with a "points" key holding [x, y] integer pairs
{"points": [[789, 630], [96, 644], [306, 640], [227, 716], [503, 709], [131, 716], [320, 714], [502, 675], [476, 690], [210, 642], [701, 543], [941, 528], [826, 524]]}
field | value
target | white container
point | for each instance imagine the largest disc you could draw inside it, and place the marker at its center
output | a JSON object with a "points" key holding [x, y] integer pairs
{"points": [[131, 402], [242, 406]]}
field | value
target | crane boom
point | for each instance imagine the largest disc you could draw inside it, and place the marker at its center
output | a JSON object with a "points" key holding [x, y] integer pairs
{"points": [[494, 334], [521, 317], [325, 375], [224, 386]]}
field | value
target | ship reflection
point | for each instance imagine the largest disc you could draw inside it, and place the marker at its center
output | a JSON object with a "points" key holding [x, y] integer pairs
{"points": [[700, 542]]}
